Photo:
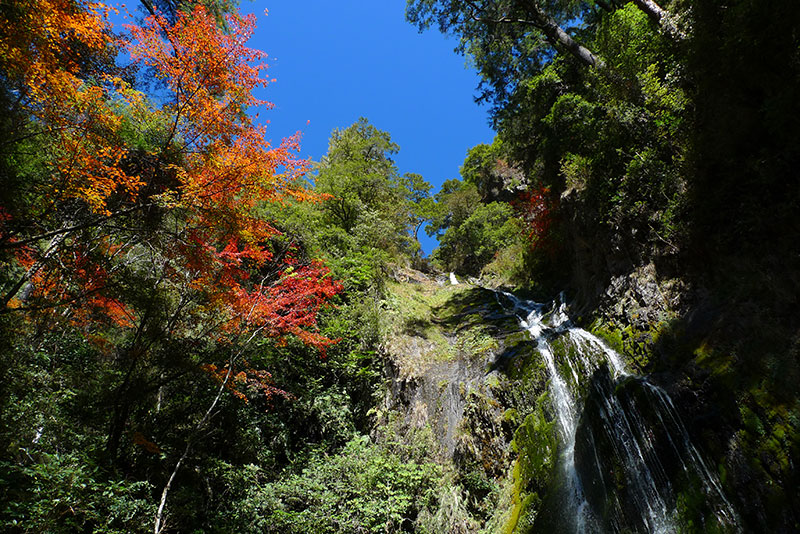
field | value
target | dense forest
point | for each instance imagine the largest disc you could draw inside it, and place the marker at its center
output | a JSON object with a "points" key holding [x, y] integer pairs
{"points": [[201, 331]]}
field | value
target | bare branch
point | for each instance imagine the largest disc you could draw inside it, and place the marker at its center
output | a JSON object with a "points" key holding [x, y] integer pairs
{"points": [[68, 229], [159, 519]]}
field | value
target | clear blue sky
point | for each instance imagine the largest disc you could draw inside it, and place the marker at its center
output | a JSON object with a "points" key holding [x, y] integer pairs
{"points": [[337, 61]]}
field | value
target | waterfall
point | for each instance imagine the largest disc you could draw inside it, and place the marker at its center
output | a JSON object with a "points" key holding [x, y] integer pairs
{"points": [[617, 481]]}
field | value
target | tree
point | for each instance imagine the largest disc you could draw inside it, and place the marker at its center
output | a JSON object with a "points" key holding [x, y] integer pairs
{"points": [[512, 40], [206, 165], [455, 202], [507, 39], [368, 200], [135, 221], [470, 232], [468, 247], [418, 196], [487, 167], [358, 173]]}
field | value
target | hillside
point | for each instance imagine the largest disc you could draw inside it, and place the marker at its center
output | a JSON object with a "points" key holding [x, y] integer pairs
{"points": [[203, 330]]}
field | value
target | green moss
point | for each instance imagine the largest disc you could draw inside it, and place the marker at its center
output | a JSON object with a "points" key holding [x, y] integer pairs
{"points": [[638, 345], [720, 364], [609, 333], [513, 340], [524, 506], [512, 416], [535, 442], [450, 320], [475, 342], [492, 381]]}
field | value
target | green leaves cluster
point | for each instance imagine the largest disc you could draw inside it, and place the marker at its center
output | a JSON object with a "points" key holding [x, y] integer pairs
{"points": [[472, 218], [67, 492], [474, 232], [614, 137], [363, 488], [369, 200]]}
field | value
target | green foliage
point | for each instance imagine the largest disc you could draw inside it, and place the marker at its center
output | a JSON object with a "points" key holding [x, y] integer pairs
{"points": [[363, 488], [486, 167], [89, 411], [368, 198], [455, 201], [615, 136], [480, 162], [470, 232], [504, 53], [509, 266], [474, 243], [452, 514], [535, 441], [680, 152], [63, 493], [369, 216]]}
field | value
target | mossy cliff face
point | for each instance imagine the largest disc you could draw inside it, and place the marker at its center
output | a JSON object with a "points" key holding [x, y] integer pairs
{"points": [[466, 383], [731, 365], [470, 388]]}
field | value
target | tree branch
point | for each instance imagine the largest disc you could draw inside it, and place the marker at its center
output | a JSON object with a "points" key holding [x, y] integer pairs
{"points": [[30, 273], [539, 19], [149, 7], [159, 519], [556, 34], [660, 16], [68, 229]]}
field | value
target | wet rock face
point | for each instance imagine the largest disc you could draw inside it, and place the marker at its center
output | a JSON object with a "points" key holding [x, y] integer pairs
{"points": [[620, 457], [457, 393], [636, 462]]}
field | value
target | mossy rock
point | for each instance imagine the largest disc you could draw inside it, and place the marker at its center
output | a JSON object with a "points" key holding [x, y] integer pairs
{"points": [[618, 414]]}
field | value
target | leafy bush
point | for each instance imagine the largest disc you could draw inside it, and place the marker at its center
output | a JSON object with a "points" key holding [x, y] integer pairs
{"points": [[64, 493], [362, 489], [467, 247]]}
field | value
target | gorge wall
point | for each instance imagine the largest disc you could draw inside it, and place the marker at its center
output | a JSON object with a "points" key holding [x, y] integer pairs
{"points": [[468, 379]]}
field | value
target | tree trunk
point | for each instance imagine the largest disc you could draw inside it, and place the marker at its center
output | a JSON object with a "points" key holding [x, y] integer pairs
{"points": [[557, 36], [119, 419], [554, 32], [660, 16]]}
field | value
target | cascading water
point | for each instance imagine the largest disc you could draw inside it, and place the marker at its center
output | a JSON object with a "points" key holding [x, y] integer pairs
{"points": [[531, 316], [617, 480]]}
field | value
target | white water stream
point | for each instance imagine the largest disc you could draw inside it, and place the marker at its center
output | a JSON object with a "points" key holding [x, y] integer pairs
{"points": [[646, 483]]}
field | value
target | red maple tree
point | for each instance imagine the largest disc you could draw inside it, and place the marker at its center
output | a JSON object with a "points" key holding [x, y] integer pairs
{"points": [[207, 171], [535, 208]]}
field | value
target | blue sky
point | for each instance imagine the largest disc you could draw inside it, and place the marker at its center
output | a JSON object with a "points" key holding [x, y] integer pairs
{"points": [[337, 61]]}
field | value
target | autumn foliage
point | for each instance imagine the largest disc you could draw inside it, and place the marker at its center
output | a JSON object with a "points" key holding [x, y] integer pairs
{"points": [[165, 190], [243, 380], [535, 208], [48, 46]]}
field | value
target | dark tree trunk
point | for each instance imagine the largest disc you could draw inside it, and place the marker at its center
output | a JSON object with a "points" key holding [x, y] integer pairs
{"points": [[560, 38]]}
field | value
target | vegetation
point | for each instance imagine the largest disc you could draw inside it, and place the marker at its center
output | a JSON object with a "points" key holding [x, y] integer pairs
{"points": [[200, 332], [625, 118], [172, 341]]}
